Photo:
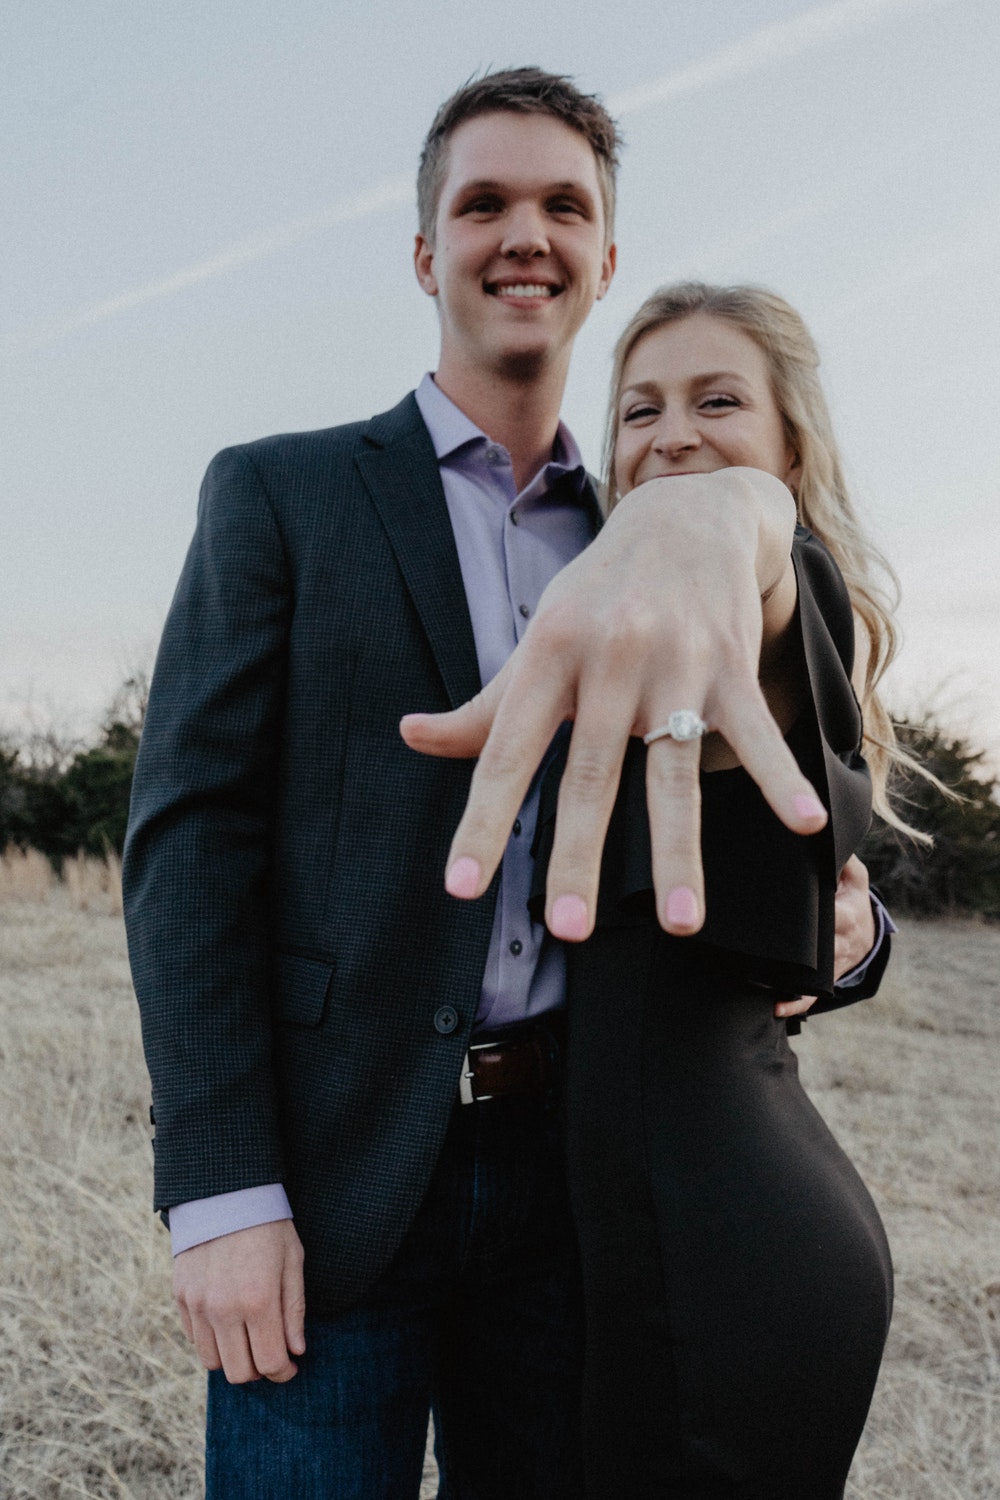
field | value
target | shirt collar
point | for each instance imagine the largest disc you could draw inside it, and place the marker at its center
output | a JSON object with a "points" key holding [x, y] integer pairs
{"points": [[450, 429]]}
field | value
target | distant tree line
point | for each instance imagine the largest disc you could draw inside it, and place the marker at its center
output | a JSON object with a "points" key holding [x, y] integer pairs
{"points": [[61, 799], [960, 873]]}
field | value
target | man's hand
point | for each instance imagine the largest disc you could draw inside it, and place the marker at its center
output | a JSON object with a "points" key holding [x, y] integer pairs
{"points": [[854, 936], [666, 609], [242, 1302], [854, 930]]}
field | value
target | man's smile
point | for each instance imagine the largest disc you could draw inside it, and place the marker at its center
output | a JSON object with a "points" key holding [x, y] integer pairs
{"points": [[523, 289]]}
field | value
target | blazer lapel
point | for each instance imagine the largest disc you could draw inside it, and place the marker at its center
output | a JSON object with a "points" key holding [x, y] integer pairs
{"points": [[400, 471], [592, 505]]}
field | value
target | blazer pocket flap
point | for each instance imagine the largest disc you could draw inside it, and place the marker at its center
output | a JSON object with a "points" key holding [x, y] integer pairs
{"points": [[301, 988]]}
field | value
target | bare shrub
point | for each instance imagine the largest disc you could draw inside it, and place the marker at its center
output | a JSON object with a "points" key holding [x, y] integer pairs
{"points": [[25, 875], [94, 884]]}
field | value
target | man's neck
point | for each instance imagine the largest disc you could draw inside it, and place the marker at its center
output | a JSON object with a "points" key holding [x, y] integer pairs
{"points": [[522, 415]]}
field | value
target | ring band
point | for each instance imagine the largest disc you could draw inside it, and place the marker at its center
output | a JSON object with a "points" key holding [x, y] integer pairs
{"points": [[683, 724]]}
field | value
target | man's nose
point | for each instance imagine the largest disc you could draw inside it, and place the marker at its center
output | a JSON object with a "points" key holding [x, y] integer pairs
{"points": [[525, 232]]}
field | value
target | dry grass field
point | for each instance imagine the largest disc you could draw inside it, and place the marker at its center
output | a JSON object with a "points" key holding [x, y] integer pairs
{"points": [[101, 1397]]}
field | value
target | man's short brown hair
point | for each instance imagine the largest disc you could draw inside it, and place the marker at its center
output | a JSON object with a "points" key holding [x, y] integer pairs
{"points": [[528, 91]]}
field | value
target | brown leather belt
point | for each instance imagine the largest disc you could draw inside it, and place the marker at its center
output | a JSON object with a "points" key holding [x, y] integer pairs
{"points": [[498, 1067]]}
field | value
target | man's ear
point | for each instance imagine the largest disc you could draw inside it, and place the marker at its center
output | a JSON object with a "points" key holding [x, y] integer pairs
{"points": [[607, 270], [423, 264]]}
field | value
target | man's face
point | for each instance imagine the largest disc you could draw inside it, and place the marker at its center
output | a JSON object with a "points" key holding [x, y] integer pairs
{"points": [[518, 257]]}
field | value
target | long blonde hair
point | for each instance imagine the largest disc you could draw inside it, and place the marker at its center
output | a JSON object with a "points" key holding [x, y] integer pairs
{"points": [[824, 505]]}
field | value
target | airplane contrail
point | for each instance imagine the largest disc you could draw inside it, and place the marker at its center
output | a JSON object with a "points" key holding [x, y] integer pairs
{"points": [[776, 42], [768, 44], [386, 194]]}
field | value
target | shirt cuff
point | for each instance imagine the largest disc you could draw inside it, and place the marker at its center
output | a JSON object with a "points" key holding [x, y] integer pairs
{"points": [[209, 1218], [884, 926]]}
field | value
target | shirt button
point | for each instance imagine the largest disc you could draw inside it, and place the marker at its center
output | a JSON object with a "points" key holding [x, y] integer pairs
{"points": [[445, 1019], [517, 826], [523, 610], [494, 455], [516, 947]]}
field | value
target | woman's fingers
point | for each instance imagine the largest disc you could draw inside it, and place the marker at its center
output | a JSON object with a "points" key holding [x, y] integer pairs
{"points": [[667, 593], [745, 721], [587, 794], [531, 708], [673, 795], [462, 733]]}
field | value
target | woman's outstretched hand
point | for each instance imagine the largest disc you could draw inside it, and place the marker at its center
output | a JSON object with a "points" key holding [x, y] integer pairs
{"points": [[665, 610]]}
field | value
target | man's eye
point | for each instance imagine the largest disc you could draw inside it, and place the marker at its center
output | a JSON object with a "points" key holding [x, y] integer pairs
{"points": [[565, 206], [482, 206]]}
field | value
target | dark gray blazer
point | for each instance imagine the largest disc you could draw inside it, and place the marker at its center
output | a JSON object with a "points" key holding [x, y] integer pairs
{"points": [[306, 987]]}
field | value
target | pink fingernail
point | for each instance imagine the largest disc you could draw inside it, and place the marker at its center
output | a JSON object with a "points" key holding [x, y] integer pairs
{"points": [[568, 918], [462, 879], [809, 807], [682, 907]]}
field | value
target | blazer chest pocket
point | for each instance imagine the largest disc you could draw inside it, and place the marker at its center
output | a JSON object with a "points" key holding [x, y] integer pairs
{"points": [[301, 988]]}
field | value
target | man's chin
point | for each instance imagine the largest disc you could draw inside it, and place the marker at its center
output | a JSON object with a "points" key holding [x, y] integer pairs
{"points": [[523, 365]]}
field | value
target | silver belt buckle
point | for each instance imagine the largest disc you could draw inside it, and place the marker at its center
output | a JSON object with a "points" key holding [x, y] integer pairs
{"points": [[465, 1093]]}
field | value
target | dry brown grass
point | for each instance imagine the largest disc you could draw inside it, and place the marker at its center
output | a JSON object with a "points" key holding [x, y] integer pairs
{"points": [[101, 1396], [94, 884], [25, 875], [90, 884], [908, 1083]]}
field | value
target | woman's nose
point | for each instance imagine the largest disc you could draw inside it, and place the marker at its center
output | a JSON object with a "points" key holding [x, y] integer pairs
{"points": [[675, 433]]}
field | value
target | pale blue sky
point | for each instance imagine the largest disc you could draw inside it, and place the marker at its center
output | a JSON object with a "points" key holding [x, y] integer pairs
{"points": [[207, 236]]}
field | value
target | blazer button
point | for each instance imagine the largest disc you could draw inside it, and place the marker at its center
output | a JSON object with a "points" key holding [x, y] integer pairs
{"points": [[445, 1019]]}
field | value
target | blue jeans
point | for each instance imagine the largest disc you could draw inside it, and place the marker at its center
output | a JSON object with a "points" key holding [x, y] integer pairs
{"points": [[478, 1318]]}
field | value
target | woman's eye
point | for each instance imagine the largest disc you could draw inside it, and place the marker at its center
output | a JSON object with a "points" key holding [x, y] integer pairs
{"points": [[637, 413], [718, 403]]}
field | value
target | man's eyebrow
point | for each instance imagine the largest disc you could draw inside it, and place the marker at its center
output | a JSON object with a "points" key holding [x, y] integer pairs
{"points": [[492, 185]]}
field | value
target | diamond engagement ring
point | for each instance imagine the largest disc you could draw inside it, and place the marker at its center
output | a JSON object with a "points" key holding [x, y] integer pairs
{"points": [[683, 724]]}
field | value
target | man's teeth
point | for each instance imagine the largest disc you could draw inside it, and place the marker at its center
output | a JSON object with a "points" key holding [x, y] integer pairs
{"points": [[524, 289]]}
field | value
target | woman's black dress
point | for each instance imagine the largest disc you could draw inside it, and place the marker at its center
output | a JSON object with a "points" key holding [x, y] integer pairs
{"points": [[737, 1276]]}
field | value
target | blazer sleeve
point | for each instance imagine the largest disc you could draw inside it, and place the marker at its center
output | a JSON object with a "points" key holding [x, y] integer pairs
{"points": [[769, 893], [197, 855]]}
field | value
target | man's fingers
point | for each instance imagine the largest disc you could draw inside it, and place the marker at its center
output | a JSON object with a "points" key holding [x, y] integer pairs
{"points": [[854, 933], [293, 1303], [785, 1008], [235, 1355], [586, 797], [268, 1349], [185, 1317], [462, 733], [204, 1340], [231, 1293], [673, 793]]}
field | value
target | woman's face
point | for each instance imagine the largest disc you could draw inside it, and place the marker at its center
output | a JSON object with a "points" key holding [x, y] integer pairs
{"points": [[697, 397]]}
